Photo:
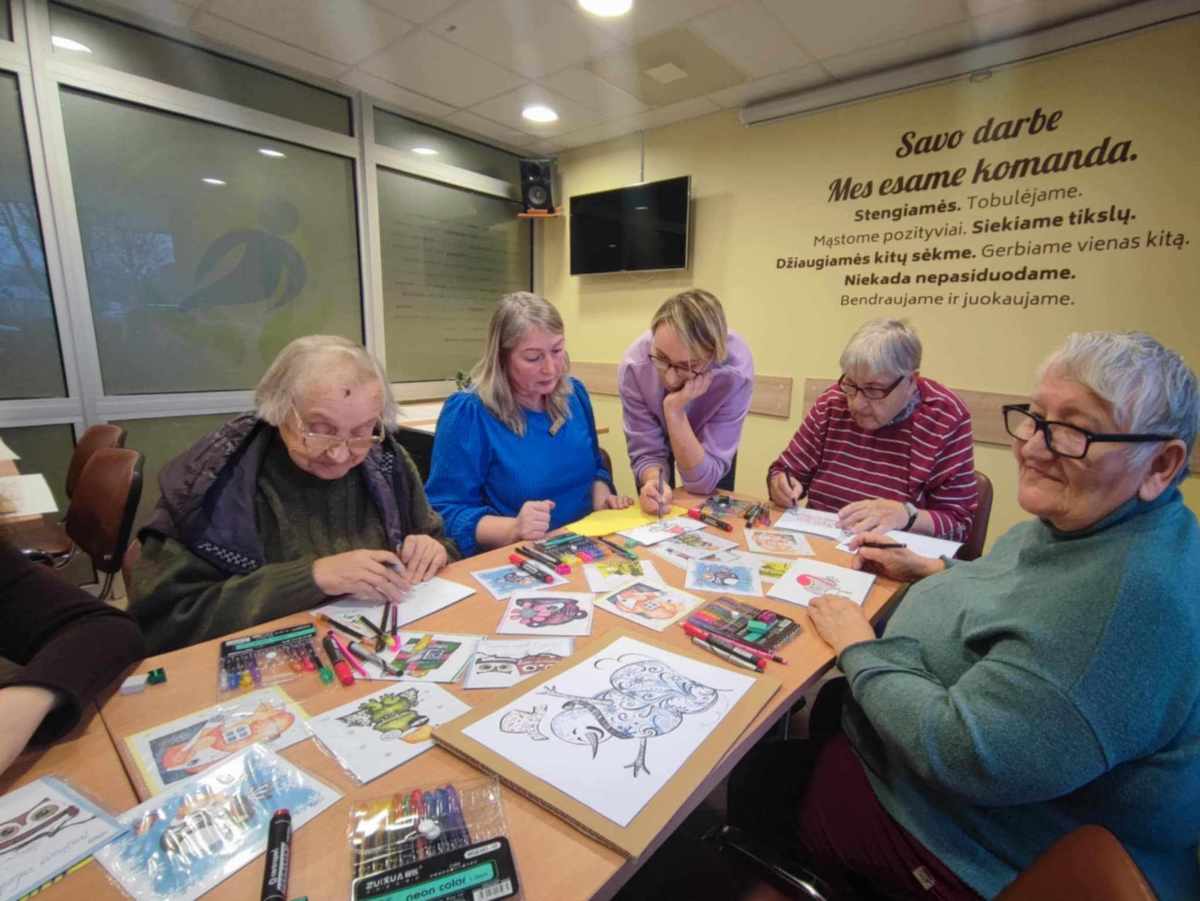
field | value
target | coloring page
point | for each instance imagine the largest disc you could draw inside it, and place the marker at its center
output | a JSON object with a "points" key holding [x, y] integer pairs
{"points": [[503, 581], [650, 604], [727, 578], [662, 529], [769, 568], [609, 575], [173, 751], [202, 830], [46, 827], [694, 546], [503, 662], [808, 579], [548, 613], [420, 600], [924, 545], [612, 730], [381, 731], [816, 522], [778, 541], [428, 657]]}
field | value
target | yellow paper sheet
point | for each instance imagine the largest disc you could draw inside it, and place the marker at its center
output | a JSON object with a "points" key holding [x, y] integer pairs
{"points": [[605, 522]]}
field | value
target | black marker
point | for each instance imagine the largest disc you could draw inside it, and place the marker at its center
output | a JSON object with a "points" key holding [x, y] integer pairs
{"points": [[279, 857]]}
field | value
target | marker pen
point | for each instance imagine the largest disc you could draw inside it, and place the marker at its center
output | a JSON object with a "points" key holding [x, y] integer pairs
{"points": [[557, 565], [279, 857], [627, 554], [526, 566], [719, 642], [737, 661], [708, 518], [337, 659]]}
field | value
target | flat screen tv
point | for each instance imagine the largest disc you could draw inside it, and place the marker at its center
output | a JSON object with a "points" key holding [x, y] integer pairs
{"points": [[635, 229]]}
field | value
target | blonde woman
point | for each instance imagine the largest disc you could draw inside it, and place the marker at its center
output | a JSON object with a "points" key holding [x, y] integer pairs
{"points": [[516, 454], [685, 390]]}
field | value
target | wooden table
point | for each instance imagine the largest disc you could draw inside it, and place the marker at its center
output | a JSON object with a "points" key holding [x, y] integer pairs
{"points": [[87, 759], [554, 860]]}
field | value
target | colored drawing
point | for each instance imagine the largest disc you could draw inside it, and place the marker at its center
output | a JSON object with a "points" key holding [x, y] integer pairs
{"points": [[610, 575], [661, 530], [648, 604], [547, 613], [504, 581], [503, 662], [808, 579], [777, 541], [731, 578]]}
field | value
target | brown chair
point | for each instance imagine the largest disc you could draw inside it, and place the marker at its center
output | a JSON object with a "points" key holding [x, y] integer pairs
{"points": [[95, 438], [1089, 864], [100, 517], [972, 548]]}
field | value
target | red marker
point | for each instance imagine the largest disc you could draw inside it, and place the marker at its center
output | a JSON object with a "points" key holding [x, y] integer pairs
{"points": [[757, 660], [522, 564], [338, 660], [697, 513]]}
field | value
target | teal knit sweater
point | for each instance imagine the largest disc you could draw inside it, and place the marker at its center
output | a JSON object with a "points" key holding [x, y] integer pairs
{"points": [[1052, 683]]}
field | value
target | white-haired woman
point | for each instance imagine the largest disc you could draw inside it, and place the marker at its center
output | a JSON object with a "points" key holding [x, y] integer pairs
{"points": [[884, 448], [516, 455], [1052, 683], [309, 497]]}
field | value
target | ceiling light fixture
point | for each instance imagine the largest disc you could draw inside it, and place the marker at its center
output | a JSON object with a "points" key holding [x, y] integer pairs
{"points": [[539, 113], [67, 44], [606, 8], [424, 151], [213, 181], [273, 154]]}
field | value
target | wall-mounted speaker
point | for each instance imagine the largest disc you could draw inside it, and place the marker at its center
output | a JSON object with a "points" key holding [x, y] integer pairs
{"points": [[537, 185]]}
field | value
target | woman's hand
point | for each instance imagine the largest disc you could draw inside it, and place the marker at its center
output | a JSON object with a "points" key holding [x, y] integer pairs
{"points": [[675, 401], [875, 515], [654, 501], [785, 491], [533, 521], [839, 621], [422, 557], [22, 709], [378, 575], [610, 501], [896, 563]]}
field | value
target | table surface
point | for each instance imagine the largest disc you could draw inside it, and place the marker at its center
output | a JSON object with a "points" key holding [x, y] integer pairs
{"points": [[554, 859]]}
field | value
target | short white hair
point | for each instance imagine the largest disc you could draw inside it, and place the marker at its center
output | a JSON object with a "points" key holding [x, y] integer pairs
{"points": [[883, 347], [306, 362], [1149, 388]]}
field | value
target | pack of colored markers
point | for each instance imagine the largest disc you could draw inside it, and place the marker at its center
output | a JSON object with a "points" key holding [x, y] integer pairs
{"points": [[271, 658], [446, 841], [756, 628]]}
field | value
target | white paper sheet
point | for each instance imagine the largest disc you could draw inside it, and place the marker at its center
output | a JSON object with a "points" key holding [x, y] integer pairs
{"points": [[27, 495], [381, 731], [6, 452], [503, 662], [420, 601], [651, 604], [923, 545], [815, 522], [611, 731], [695, 546], [609, 575], [548, 613], [808, 579], [778, 541], [504, 581], [663, 529]]}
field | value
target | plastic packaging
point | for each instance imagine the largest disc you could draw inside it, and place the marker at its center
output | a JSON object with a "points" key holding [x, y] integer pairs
{"points": [[271, 658]]}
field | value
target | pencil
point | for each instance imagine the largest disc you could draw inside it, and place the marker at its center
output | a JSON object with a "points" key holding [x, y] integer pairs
{"points": [[883, 546]]}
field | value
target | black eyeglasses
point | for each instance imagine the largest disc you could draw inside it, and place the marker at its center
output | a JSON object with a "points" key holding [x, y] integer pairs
{"points": [[871, 393], [683, 370], [1063, 439]]}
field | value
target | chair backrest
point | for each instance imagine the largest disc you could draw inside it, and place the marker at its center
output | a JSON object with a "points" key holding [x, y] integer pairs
{"points": [[1088, 864], [93, 439], [128, 561], [972, 548], [100, 517]]}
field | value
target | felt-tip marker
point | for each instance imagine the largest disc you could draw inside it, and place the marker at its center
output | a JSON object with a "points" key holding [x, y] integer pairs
{"points": [[627, 554], [278, 858], [525, 566], [337, 659], [883, 545], [557, 565], [708, 518], [754, 658]]}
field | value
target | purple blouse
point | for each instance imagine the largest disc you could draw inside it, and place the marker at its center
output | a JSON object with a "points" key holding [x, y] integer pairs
{"points": [[716, 417]]}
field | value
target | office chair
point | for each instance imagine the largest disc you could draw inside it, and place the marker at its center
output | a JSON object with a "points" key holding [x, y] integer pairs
{"points": [[972, 548]]}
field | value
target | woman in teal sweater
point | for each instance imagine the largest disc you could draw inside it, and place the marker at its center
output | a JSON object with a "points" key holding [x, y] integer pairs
{"points": [[1052, 683]]}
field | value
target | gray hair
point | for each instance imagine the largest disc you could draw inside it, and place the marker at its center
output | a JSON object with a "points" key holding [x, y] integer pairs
{"points": [[1150, 388], [309, 360], [883, 347]]}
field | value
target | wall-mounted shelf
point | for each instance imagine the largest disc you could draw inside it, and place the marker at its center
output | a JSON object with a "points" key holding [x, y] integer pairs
{"points": [[541, 214]]}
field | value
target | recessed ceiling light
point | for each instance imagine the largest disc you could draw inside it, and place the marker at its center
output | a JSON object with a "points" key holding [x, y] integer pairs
{"points": [[213, 181], [67, 44], [273, 154], [606, 8], [424, 151], [539, 113]]}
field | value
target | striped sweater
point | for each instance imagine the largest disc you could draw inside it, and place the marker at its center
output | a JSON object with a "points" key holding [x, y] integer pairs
{"points": [[927, 458]]}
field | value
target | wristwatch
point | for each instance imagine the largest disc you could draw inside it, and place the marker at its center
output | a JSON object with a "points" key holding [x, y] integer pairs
{"points": [[912, 515]]}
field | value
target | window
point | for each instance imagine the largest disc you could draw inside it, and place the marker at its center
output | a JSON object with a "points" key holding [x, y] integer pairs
{"points": [[77, 34], [448, 256], [418, 139], [207, 249], [44, 449], [29, 354]]}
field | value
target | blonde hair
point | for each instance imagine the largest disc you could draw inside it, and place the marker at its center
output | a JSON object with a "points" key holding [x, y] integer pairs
{"points": [[515, 315], [307, 361], [699, 320]]}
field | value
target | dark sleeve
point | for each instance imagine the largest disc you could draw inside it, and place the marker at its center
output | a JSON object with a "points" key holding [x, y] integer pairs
{"points": [[415, 505], [63, 638]]}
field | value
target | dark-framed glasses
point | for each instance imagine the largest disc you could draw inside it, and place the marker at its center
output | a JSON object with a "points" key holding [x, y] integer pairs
{"points": [[1064, 439], [870, 392], [685, 370], [317, 443]]}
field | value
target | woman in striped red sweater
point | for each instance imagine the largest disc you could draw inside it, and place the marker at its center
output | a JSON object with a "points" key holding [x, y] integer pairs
{"points": [[884, 447]]}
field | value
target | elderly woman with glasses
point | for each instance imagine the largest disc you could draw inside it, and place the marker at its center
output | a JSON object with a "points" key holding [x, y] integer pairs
{"points": [[685, 390], [1052, 683], [308, 498], [884, 448]]}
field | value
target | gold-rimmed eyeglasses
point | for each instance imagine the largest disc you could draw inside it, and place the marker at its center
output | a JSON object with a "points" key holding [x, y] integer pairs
{"points": [[318, 443]]}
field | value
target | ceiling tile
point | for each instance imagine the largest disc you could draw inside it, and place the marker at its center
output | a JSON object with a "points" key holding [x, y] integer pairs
{"points": [[396, 95], [533, 37], [751, 38], [595, 93], [1032, 15], [439, 69], [707, 71], [344, 30], [506, 109], [913, 49], [652, 16], [268, 48], [800, 79], [414, 10], [545, 148], [465, 120], [657, 118], [833, 29]]}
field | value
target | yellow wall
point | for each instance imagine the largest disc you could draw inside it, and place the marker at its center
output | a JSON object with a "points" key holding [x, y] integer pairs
{"points": [[760, 194]]}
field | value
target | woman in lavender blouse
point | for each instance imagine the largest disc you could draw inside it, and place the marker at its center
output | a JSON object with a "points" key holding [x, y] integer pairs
{"points": [[685, 391]]}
